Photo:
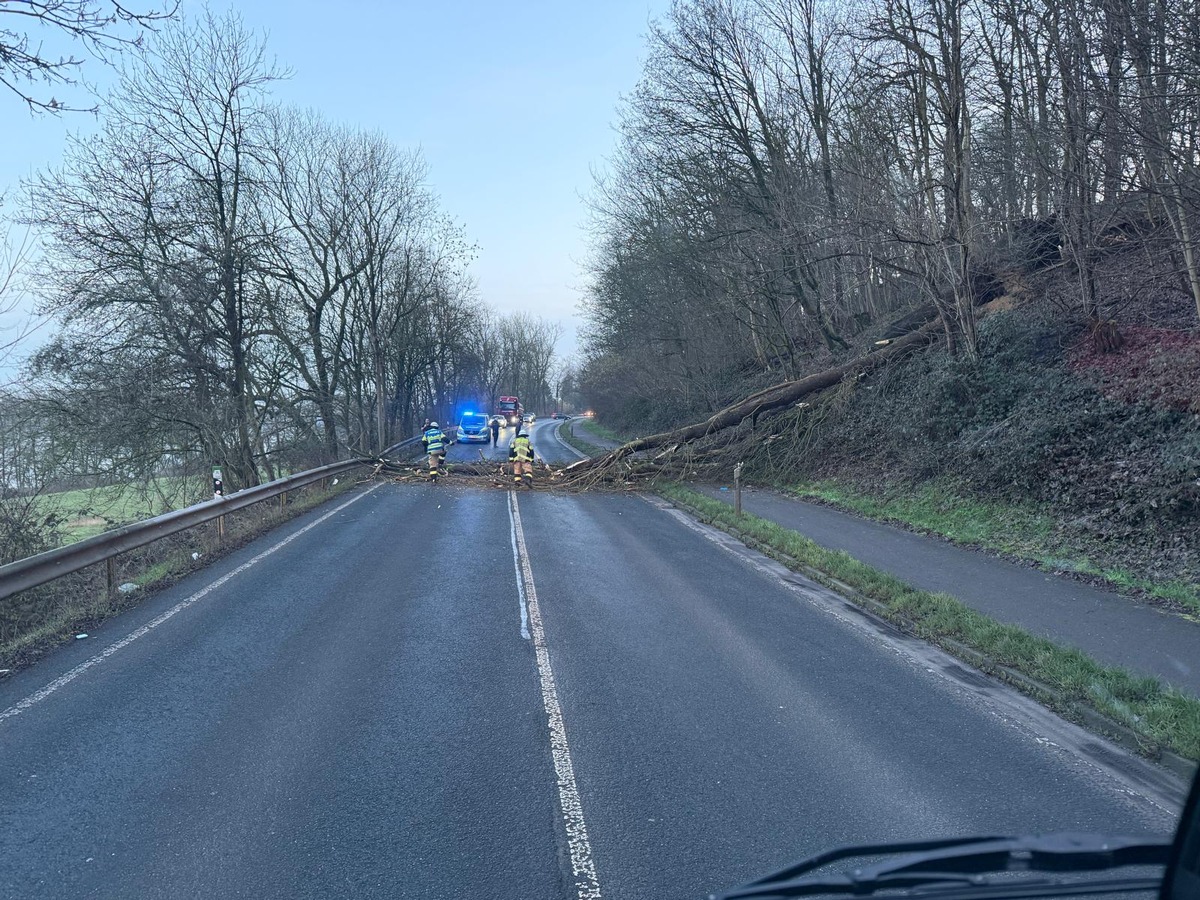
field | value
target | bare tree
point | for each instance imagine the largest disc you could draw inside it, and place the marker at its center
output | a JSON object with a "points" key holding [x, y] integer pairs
{"points": [[151, 224], [15, 256], [1078, 135], [104, 28], [789, 162], [409, 249], [26, 472], [316, 182], [1163, 42], [923, 48], [711, 98]]}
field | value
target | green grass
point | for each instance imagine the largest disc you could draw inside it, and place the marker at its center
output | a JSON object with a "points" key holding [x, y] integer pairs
{"points": [[176, 564], [602, 432], [935, 506], [592, 427], [116, 505], [583, 446], [1021, 531], [1162, 716], [59, 623]]}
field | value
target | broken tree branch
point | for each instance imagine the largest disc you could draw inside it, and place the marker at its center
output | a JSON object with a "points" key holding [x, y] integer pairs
{"points": [[763, 401]]}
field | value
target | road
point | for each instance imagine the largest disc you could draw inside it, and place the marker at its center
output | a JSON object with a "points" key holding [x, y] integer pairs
{"points": [[450, 691], [1112, 628], [545, 440]]}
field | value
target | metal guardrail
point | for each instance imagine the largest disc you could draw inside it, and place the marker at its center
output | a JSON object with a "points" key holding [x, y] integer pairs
{"points": [[451, 432], [32, 571], [407, 442], [23, 574]]}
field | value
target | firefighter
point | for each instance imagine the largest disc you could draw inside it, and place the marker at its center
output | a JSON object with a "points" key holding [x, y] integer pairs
{"points": [[435, 446], [520, 451]]}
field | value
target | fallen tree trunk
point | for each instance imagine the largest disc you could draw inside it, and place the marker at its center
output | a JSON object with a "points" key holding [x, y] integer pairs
{"points": [[776, 397]]}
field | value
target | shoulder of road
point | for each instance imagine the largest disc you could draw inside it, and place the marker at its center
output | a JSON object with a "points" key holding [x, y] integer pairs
{"points": [[1114, 629], [1111, 628], [579, 432]]}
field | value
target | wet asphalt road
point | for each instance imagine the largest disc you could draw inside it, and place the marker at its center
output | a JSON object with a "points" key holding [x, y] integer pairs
{"points": [[545, 440], [358, 713], [1115, 629]]}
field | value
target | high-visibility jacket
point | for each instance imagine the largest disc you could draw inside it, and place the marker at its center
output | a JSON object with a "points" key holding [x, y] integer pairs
{"points": [[435, 441], [520, 449]]}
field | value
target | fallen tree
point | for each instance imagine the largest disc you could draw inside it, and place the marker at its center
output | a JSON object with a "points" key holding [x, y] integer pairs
{"points": [[619, 466], [608, 468], [484, 471], [773, 398]]}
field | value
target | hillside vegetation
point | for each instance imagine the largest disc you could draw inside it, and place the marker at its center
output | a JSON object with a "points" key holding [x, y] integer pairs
{"points": [[801, 187], [1086, 461]]}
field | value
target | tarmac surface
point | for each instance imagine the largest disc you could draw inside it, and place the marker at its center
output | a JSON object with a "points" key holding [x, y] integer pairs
{"points": [[446, 691], [1113, 628]]}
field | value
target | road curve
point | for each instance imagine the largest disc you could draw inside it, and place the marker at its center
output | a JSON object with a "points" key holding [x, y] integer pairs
{"points": [[543, 433]]}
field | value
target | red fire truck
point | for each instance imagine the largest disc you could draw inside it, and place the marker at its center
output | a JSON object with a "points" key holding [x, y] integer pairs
{"points": [[509, 409]]}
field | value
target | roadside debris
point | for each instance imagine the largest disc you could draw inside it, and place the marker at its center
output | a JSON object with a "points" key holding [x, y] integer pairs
{"points": [[629, 475], [493, 473]]}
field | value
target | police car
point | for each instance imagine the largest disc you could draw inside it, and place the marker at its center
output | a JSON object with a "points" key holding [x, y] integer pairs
{"points": [[473, 427]]}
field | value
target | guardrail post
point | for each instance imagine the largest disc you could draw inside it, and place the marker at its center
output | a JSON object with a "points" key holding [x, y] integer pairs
{"points": [[110, 566], [282, 501], [737, 489], [220, 529]]}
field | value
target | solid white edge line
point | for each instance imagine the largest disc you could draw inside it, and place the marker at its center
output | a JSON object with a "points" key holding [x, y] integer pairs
{"points": [[563, 441], [64, 680], [1134, 776], [583, 866]]}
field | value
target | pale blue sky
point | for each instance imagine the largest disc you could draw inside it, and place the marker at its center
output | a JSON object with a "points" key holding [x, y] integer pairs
{"points": [[512, 105]]}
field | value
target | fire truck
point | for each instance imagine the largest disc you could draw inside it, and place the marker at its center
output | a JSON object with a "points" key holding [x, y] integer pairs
{"points": [[509, 409]]}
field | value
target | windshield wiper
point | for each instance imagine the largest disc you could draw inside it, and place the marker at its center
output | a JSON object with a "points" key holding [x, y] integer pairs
{"points": [[960, 868]]}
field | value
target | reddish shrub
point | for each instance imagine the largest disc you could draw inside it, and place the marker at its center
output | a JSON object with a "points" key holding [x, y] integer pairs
{"points": [[1156, 366]]}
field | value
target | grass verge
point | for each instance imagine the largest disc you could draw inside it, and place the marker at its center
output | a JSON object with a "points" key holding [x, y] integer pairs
{"points": [[1018, 531], [567, 434], [1161, 717], [606, 434], [34, 621]]}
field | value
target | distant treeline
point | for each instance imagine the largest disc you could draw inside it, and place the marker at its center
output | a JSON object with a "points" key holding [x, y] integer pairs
{"points": [[242, 284]]}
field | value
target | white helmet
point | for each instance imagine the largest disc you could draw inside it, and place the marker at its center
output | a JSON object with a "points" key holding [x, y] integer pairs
{"points": [[433, 424]]}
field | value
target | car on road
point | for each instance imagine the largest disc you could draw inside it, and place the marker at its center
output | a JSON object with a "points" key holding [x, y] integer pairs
{"points": [[529, 419], [497, 420], [560, 416], [474, 427]]}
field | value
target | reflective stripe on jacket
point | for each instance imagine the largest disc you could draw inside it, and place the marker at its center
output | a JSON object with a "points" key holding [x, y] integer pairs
{"points": [[434, 440], [520, 449]]}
